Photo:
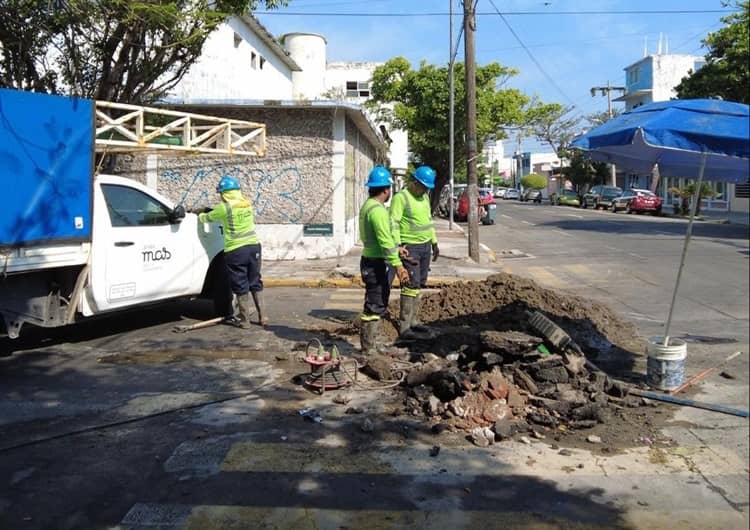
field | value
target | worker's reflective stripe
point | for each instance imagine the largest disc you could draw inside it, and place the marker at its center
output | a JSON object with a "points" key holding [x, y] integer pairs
{"points": [[230, 224], [369, 318], [408, 291], [390, 251], [410, 217]]}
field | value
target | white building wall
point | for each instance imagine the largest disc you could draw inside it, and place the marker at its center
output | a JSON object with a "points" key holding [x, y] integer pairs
{"points": [[235, 64], [309, 51], [668, 71], [340, 78]]}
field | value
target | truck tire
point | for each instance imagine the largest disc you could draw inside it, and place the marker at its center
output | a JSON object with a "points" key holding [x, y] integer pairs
{"points": [[216, 287]]}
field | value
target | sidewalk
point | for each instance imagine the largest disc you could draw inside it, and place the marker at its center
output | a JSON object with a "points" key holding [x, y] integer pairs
{"points": [[453, 265]]}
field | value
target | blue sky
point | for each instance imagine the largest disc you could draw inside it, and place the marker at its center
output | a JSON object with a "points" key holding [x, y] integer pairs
{"points": [[560, 56]]}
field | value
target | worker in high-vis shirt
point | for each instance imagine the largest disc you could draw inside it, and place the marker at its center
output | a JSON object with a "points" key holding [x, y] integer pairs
{"points": [[242, 250], [380, 260], [414, 234]]}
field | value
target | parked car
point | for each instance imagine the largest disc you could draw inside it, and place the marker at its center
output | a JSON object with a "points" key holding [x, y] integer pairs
{"points": [[531, 194], [600, 196], [511, 193], [565, 197], [638, 201], [499, 192], [443, 207], [486, 203]]}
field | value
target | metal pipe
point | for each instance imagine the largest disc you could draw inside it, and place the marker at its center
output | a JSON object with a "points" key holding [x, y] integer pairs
{"points": [[693, 208]]}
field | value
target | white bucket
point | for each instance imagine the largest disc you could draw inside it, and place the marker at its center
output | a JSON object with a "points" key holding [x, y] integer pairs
{"points": [[666, 364]]}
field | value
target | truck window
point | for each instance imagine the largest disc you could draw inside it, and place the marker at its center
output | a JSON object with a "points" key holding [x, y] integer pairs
{"points": [[130, 207]]}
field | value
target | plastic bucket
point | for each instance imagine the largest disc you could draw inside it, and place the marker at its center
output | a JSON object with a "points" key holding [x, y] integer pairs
{"points": [[665, 369]]}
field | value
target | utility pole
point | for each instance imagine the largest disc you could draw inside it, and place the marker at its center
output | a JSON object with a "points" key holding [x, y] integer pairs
{"points": [[451, 123], [608, 90], [471, 127]]}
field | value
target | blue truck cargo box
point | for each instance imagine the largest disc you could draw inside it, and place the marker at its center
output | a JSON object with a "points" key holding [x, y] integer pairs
{"points": [[46, 168]]}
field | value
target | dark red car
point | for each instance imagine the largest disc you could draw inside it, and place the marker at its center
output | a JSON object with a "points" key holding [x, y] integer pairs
{"points": [[637, 201], [486, 204]]}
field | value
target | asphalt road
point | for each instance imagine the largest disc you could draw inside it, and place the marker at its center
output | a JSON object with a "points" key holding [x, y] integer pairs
{"points": [[631, 262]]}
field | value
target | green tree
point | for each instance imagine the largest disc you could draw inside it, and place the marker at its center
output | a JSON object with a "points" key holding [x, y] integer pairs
{"points": [[118, 50], [554, 124], [581, 172], [686, 194], [534, 181], [726, 73], [418, 102]]}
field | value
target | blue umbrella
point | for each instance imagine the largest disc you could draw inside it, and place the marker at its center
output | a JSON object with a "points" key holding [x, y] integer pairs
{"points": [[676, 134], [686, 138]]}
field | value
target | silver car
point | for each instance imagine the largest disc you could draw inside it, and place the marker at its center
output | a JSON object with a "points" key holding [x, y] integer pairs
{"points": [[511, 193]]}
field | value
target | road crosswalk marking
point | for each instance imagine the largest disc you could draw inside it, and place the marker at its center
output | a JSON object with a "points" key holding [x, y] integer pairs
{"points": [[345, 300]]}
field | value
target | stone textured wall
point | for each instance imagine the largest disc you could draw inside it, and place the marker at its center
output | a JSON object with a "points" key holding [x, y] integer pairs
{"points": [[359, 160], [290, 185]]}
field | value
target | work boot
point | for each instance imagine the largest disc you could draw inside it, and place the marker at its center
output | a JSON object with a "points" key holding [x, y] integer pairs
{"points": [[368, 336], [246, 310], [409, 327], [260, 305], [416, 325], [406, 315]]}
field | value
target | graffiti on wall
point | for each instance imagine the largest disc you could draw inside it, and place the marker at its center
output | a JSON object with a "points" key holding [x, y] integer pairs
{"points": [[275, 194]]}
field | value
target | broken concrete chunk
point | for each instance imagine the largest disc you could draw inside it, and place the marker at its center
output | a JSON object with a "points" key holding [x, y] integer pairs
{"points": [[594, 439], [482, 436], [556, 374], [591, 411], [525, 381], [433, 406]]}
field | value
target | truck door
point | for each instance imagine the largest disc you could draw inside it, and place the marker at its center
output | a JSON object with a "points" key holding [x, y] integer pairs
{"points": [[141, 256]]}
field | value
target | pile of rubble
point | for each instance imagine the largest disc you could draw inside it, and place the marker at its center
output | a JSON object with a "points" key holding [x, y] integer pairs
{"points": [[512, 385], [490, 374]]}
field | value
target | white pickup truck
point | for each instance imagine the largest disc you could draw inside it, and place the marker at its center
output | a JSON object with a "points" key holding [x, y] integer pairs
{"points": [[73, 245]]}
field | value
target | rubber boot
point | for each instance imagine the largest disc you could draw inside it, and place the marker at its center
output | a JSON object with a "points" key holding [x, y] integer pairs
{"points": [[233, 319], [406, 315], [416, 325], [246, 310], [260, 305], [368, 336]]}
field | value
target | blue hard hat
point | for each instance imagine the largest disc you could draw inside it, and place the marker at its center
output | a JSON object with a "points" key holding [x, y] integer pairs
{"points": [[227, 183], [425, 175], [379, 177]]}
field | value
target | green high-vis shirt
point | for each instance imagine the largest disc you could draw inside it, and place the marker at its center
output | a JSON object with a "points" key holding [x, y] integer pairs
{"points": [[375, 232], [235, 213], [411, 219]]}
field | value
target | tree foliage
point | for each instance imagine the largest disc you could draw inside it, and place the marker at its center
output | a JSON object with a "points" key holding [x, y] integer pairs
{"points": [[726, 73], [118, 50], [534, 181], [686, 195], [418, 102], [554, 124], [582, 172]]}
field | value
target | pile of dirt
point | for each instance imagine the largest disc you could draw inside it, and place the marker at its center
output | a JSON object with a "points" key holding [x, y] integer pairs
{"points": [[490, 374]]}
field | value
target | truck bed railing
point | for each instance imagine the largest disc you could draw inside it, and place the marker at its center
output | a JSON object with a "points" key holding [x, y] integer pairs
{"points": [[121, 127]]}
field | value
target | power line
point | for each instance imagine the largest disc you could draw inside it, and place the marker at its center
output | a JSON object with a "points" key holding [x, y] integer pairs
{"points": [[508, 13], [531, 56]]}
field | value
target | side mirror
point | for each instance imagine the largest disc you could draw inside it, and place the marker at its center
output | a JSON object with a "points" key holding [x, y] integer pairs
{"points": [[177, 215]]}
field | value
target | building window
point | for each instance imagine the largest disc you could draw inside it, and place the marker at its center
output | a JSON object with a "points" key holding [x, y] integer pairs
{"points": [[253, 60], [237, 40], [357, 89], [742, 191], [633, 76], [262, 62]]}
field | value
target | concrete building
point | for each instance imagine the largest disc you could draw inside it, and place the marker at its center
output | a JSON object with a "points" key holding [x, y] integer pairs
{"points": [[654, 78], [321, 140], [240, 59], [306, 190], [243, 61]]}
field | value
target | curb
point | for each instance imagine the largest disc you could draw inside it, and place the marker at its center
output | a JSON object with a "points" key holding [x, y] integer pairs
{"points": [[355, 282]]}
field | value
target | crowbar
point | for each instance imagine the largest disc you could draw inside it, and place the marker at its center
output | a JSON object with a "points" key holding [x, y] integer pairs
{"points": [[198, 325]]}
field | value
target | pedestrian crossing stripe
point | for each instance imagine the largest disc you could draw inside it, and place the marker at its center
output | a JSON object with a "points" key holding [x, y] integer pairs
{"points": [[545, 277], [345, 300]]}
